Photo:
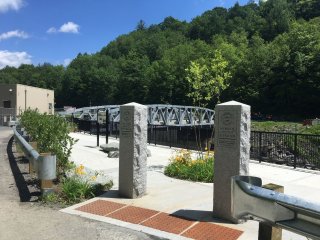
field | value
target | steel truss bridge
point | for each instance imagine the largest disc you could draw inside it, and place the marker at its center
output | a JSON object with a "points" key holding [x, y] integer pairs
{"points": [[158, 114]]}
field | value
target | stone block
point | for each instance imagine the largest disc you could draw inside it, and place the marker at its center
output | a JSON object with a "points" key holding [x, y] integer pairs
{"points": [[133, 150], [232, 153], [110, 147]]}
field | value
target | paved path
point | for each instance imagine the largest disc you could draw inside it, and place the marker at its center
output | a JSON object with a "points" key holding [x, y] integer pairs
{"points": [[30, 221], [166, 195], [184, 198]]}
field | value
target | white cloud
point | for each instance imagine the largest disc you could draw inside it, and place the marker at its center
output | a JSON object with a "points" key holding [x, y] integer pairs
{"points": [[69, 27], [52, 30], [66, 62], [15, 33], [6, 5], [13, 59]]}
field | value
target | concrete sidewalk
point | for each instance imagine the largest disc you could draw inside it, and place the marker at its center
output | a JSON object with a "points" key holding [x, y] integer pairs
{"points": [[184, 198]]}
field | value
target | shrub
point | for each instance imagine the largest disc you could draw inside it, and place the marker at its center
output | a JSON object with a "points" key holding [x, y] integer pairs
{"points": [[51, 132], [182, 166]]}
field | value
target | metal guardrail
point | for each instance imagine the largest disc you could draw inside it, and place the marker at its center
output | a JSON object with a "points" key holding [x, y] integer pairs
{"points": [[44, 165], [278, 209]]}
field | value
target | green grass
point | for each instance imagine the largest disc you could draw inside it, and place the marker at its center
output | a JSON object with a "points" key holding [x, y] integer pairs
{"points": [[290, 127], [272, 126]]}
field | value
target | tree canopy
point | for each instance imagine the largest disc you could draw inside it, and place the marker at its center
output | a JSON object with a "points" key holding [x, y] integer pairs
{"points": [[269, 53]]}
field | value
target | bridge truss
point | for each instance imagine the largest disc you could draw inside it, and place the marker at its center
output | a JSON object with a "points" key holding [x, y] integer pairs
{"points": [[158, 114]]}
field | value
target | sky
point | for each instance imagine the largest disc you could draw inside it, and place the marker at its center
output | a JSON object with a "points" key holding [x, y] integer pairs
{"points": [[56, 31]]}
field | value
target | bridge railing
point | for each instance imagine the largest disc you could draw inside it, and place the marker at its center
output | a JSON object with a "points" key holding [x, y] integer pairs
{"points": [[43, 164], [297, 150]]}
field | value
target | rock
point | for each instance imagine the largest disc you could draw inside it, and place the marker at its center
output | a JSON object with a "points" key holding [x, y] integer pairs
{"points": [[113, 154], [114, 146]]}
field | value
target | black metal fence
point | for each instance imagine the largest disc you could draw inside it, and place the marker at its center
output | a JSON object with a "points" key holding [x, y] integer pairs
{"points": [[181, 137], [172, 136], [297, 150]]}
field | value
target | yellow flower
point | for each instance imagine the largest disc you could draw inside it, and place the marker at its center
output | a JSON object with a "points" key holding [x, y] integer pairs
{"points": [[93, 178], [80, 170]]}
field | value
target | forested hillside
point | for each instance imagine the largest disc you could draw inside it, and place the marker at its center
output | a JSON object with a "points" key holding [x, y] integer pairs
{"points": [[271, 50]]}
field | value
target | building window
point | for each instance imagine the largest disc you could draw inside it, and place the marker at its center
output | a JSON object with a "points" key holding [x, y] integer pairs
{"points": [[50, 108], [7, 104]]}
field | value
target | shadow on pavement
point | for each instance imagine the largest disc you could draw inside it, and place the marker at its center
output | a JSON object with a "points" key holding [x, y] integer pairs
{"points": [[22, 186]]}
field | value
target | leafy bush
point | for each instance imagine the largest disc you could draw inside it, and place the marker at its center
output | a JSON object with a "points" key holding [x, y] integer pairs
{"points": [[182, 166], [51, 132]]}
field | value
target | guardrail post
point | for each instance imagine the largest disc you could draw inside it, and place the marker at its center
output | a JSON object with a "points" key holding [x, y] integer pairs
{"points": [[267, 232], [46, 172]]}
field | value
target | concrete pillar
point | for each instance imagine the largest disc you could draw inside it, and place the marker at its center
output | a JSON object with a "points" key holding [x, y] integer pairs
{"points": [[232, 153], [133, 150]]}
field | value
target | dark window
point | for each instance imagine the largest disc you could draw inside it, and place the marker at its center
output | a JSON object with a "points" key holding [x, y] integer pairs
{"points": [[50, 108], [7, 104]]}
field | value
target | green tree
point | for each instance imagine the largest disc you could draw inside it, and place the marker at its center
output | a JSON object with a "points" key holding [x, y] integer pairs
{"points": [[207, 78], [278, 15]]}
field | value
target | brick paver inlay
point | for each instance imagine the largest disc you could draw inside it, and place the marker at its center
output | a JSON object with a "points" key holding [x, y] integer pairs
{"points": [[101, 207], [168, 223], [204, 231], [160, 221], [133, 214]]}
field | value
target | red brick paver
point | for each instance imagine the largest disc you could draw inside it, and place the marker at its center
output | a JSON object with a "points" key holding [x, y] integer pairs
{"points": [[205, 231], [161, 221], [101, 207], [168, 223], [133, 214]]}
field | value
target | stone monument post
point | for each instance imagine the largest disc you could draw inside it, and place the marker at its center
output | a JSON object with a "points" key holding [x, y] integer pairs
{"points": [[133, 150], [232, 153]]}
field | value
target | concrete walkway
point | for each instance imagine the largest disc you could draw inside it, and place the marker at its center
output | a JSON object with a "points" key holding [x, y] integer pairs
{"points": [[184, 198]]}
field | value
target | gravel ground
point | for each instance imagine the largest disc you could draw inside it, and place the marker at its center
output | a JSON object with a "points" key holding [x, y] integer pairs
{"points": [[23, 217]]}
